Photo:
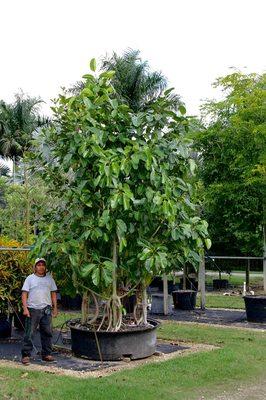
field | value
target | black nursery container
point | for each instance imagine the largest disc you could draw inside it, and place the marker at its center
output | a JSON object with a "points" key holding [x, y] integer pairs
{"points": [[114, 346], [255, 308], [184, 299], [71, 303], [220, 284], [5, 327]]}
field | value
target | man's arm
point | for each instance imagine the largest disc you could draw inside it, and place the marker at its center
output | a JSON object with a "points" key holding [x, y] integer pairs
{"points": [[24, 298], [54, 303]]}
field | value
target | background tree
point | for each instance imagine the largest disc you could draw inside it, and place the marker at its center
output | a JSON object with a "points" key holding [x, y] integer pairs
{"points": [[232, 155], [18, 124], [135, 84]]}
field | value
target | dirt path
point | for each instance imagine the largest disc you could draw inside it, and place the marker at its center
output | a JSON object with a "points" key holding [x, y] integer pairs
{"points": [[247, 392]]}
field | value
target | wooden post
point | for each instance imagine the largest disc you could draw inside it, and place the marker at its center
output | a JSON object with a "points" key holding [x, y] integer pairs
{"points": [[165, 295], [202, 283], [185, 277], [247, 275]]}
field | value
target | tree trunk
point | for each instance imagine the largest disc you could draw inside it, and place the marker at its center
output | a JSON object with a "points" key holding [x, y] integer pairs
{"points": [[144, 305], [84, 308], [14, 169], [27, 210]]}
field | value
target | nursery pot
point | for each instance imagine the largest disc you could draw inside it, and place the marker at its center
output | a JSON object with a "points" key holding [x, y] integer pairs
{"points": [[71, 303], [5, 326], [184, 299], [139, 342], [255, 308], [219, 284], [157, 304]]}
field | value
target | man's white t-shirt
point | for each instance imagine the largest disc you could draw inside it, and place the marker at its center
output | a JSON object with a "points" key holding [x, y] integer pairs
{"points": [[39, 288]]}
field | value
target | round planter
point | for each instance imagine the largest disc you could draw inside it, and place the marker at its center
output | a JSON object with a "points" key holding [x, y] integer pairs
{"points": [[219, 284], [114, 346], [255, 308], [5, 327], [184, 299], [157, 304]]}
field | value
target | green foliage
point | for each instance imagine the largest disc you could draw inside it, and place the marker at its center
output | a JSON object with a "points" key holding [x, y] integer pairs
{"points": [[13, 201], [135, 84], [123, 180], [233, 159], [15, 266], [18, 121]]}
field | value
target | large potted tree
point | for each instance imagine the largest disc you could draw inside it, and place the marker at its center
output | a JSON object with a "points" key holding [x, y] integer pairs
{"points": [[125, 213]]}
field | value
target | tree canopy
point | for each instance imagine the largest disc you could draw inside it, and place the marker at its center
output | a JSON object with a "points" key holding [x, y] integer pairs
{"points": [[125, 210], [233, 157]]}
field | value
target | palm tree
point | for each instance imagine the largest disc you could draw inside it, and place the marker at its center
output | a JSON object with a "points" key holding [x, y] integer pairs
{"points": [[4, 169], [134, 83], [18, 122]]}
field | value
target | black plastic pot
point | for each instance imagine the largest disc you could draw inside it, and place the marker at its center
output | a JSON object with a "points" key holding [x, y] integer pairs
{"points": [[5, 327], [219, 284], [114, 346], [184, 299], [71, 303], [255, 308]]}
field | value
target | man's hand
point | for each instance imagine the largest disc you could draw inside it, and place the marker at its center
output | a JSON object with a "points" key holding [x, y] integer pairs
{"points": [[26, 312], [54, 312]]}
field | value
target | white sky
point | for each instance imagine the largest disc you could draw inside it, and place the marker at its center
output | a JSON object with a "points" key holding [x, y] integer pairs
{"points": [[46, 44]]}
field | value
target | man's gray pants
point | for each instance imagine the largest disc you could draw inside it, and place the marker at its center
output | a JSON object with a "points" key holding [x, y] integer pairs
{"points": [[43, 318]]}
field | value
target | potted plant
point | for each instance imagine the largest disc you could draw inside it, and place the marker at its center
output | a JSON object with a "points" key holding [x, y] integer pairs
{"points": [[125, 213], [14, 267]]}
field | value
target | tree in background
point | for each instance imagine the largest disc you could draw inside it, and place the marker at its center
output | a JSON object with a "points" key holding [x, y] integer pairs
{"points": [[135, 84], [18, 124], [232, 164]]}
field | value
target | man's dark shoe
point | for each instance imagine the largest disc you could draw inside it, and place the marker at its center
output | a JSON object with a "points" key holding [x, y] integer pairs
{"points": [[48, 358], [25, 360]]}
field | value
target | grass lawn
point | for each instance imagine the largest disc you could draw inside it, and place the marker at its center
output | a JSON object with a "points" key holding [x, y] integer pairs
{"points": [[221, 301], [235, 279], [240, 358]]}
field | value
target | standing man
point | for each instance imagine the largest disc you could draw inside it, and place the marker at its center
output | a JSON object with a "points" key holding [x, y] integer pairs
{"points": [[39, 305]]}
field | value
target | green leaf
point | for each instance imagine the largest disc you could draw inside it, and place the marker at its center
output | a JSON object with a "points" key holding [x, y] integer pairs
{"points": [[96, 276], [136, 120], [87, 269], [208, 243], [107, 74], [192, 165], [109, 265], [182, 109], [168, 91], [121, 226], [93, 64]]}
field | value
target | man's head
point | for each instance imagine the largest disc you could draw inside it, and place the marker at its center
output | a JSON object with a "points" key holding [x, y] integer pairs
{"points": [[40, 267]]}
